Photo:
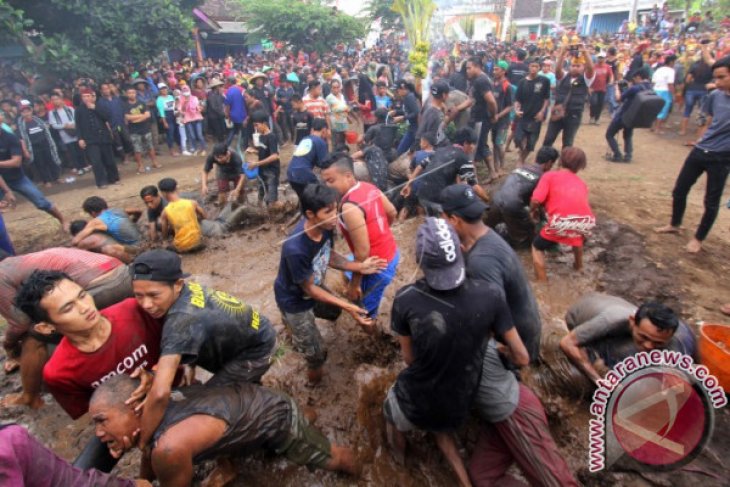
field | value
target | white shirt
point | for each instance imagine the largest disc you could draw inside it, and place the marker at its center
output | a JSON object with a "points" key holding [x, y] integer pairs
{"points": [[662, 78]]}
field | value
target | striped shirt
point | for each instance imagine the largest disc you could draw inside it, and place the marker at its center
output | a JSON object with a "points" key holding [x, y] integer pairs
{"points": [[318, 107]]}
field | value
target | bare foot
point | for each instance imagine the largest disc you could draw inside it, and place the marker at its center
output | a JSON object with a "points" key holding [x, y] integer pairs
{"points": [[725, 309], [694, 246], [11, 365], [223, 473], [22, 399], [668, 229], [309, 413], [343, 460]]}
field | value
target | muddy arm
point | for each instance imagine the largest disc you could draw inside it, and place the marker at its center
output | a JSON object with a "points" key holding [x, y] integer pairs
{"points": [[578, 356]]}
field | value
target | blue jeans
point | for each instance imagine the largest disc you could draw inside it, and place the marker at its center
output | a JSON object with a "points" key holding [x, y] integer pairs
{"points": [[611, 99], [407, 141], [373, 285], [195, 135], [31, 192], [171, 129], [692, 98], [5, 243]]}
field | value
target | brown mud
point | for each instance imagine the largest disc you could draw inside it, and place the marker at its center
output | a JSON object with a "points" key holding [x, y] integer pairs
{"points": [[625, 259]]}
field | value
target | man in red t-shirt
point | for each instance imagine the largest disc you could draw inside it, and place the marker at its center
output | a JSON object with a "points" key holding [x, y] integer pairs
{"points": [[564, 196], [105, 278], [365, 217], [604, 77], [96, 345]]}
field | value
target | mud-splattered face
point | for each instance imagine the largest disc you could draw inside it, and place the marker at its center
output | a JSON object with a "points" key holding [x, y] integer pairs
{"points": [[156, 298], [648, 336], [112, 424]]}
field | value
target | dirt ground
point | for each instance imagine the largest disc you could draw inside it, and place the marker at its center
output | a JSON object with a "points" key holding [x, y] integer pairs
{"points": [[625, 258]]}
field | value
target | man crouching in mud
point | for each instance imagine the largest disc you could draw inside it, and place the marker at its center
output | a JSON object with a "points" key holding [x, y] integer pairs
{"points": [[203, 422]]}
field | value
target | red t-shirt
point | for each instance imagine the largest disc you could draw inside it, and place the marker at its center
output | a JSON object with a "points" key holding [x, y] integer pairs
{"points": [[72, 375], [565, 198], [368, 198], [600, 82]]}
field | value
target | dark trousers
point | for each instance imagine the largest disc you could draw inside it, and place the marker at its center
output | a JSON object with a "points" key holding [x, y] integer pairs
{"points": [[171, 130], [568, 125], [285, 122], [95, 455], [240, 130], [598, 99], [615, 127], [717, 167], [46, 168], [75, 155], [102, 162], [269, 183], [217, 126]]}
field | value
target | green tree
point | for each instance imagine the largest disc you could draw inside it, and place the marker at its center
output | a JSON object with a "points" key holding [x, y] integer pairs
{"points": [[383, 10], [569, 15], [304, 25], [416, 16], [92, 37]]}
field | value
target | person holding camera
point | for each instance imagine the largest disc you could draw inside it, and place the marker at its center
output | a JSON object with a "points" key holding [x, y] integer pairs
{"points": [[624, 94], [570, 95]]}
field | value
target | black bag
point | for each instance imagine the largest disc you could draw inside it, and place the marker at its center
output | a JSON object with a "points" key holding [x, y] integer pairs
{"points": [[642, 110]]}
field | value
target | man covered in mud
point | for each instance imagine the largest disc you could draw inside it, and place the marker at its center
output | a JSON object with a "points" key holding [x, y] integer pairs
{"points": [[443, 323], [204, 422], [202, 327], [155, 204], [96, 345], [365, 216], [105, 278], [490, 258], [509, 213], [299, 285], [120, 224], [102, 243], [611, 329]]}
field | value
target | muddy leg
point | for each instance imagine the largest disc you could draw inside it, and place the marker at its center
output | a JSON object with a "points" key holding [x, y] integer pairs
{"points": [[396, 442], [538, 260], [578, 254], [32, 359], [447, 445], [223, 473]]}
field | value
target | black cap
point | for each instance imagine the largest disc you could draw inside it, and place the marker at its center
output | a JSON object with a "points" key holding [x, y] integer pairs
{"points": [[157, 265], [438, 252], [460, 200], [439, 88]]}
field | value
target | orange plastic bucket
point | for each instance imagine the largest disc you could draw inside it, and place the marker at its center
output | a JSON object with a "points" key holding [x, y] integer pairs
{"points": [[715, 351], [351, 137]]}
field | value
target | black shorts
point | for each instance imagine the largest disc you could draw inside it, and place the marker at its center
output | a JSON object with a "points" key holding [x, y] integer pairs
{"points": [[543, 244], [529, 131]]}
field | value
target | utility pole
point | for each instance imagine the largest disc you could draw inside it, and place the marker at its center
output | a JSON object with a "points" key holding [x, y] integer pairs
{"points": [[542, 11], [558, 12], [634, 8]]}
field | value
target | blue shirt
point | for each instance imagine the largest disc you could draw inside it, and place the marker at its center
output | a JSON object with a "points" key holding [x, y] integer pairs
{"points": [[301, 258], [235, 102], [383, 102], [119, 226], [311, 151], [115, 109]]}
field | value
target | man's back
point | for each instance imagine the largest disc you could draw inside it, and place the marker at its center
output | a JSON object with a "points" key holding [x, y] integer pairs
{"points": [[257, 417], [493, 260], [368, 198], [120, 226], [184, 220], [441, 171], [515, 192], [210, 328], [448, 330]]}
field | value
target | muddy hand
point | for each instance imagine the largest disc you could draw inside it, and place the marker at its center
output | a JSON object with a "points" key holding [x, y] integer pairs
{"points": [[361, 317], [145, 384], [372, 265], [127, 444]]}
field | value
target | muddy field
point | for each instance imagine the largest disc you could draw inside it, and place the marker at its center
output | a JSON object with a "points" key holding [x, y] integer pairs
{"points": [[625, 258]]}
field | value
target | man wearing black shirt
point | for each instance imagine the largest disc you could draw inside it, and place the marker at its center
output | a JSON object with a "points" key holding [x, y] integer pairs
{"points": [[699, 75], [483, 108], [155, 204], [531, 100], [301, 119], [266, 146], [443, 323], [518, 70], [490, 258], [446, 166], [509, 212], [95, 138], [138, 117], [230, 172]]}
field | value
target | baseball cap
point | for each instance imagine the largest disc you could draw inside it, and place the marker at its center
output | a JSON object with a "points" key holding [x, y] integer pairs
{"points": [[157, 265], [460, 200], [439, 88], [25, 104], [161, 85], [438, 252], [503, 64]]}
